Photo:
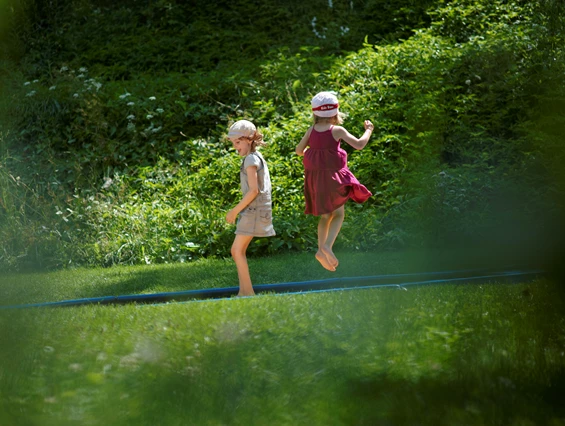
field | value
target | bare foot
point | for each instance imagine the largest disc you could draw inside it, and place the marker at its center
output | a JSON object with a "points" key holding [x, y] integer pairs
{"points": [[245, 294], [321, 257], [332, 260]]}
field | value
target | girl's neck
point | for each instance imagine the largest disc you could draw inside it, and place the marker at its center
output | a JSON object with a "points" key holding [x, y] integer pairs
{"points": [[322, 127]]}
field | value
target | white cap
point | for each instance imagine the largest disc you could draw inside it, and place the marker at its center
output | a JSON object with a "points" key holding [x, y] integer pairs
{"points": [[325, 104], [242, 128]]}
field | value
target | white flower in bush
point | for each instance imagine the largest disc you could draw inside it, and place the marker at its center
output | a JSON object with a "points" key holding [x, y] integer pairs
{"points": [[63, 69], [52, 87], [125, 95], [90, 83], [31, 93], [107, 183], [27, 83], [130, 103], [149, 116], [160, 110], [131, 127], [82, 69], [75, 95], [131, 117], [314, 30], [152, 98]]}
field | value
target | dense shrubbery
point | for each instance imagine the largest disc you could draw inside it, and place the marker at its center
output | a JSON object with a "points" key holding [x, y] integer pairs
{"points": [[120, 40], [118, 155]]}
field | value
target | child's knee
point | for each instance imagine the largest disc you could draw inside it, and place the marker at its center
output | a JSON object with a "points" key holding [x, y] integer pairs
{"points": [[237, 251]]}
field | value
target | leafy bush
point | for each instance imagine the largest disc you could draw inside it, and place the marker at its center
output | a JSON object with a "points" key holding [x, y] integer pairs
{"points": [[122, 156]]}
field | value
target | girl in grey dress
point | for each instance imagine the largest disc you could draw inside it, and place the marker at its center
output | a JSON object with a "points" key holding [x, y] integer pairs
{"points": [[255, 208]]}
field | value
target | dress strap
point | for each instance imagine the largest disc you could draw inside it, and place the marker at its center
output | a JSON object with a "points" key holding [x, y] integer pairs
{"points": [[261, 160]]}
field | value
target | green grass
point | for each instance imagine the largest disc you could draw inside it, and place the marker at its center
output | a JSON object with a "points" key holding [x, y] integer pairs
{"points": [[434, 355], [21, 288]]}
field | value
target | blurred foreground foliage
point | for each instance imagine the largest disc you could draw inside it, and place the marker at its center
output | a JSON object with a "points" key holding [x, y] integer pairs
{"points": [[114, 114]]}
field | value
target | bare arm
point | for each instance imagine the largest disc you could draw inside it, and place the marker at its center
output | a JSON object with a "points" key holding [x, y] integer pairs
{"points": [[231, 216], [303, 143], [339, 132]]}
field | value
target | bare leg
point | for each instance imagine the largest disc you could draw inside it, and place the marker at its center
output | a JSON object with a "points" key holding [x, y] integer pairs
{"points": [[336, 220], [238, 252], [323, 227]]}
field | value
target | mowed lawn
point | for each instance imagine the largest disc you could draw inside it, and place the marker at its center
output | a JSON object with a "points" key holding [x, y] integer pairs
{"points": [[455, 354], [79, 283]]}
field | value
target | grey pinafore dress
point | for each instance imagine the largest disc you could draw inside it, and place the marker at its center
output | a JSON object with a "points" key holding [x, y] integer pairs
{"points": [[256, 219]]}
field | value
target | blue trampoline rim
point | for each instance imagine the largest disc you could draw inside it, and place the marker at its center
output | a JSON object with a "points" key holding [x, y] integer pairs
{"points": [[305, 287], [402, 286]]}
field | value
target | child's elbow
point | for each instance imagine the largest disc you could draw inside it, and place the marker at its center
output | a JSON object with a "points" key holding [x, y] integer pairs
{"points": [[361, 145]]}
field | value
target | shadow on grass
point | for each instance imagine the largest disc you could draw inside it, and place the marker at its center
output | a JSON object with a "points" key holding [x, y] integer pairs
{"points": [[171, 278], [488, 399]]}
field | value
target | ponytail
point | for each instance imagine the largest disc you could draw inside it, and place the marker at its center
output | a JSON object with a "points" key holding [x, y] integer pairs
{"points": [[257, 140]]}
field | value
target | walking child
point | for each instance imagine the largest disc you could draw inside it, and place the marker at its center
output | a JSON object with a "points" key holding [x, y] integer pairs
{"points": [[328, 182], [255, 207]]}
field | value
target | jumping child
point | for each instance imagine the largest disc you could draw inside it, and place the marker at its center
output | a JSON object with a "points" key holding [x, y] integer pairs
{"points": [[328, 183], [254, 209]]}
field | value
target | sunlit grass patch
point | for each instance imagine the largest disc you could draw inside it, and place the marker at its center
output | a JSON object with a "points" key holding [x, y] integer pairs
{"points": [[23, 288]]}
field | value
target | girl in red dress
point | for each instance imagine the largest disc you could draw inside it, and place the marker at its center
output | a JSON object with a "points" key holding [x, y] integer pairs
{"points": [[328, 183]]}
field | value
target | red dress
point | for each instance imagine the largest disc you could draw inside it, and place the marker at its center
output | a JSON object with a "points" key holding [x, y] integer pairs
{"points": [[328, 183]]}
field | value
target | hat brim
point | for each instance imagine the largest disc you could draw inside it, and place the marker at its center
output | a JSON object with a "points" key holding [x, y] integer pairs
{"points": [[327, 113]]}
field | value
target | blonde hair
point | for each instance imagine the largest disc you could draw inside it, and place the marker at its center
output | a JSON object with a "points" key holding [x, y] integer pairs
{"points": [[257, 140], [334, 119]]}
